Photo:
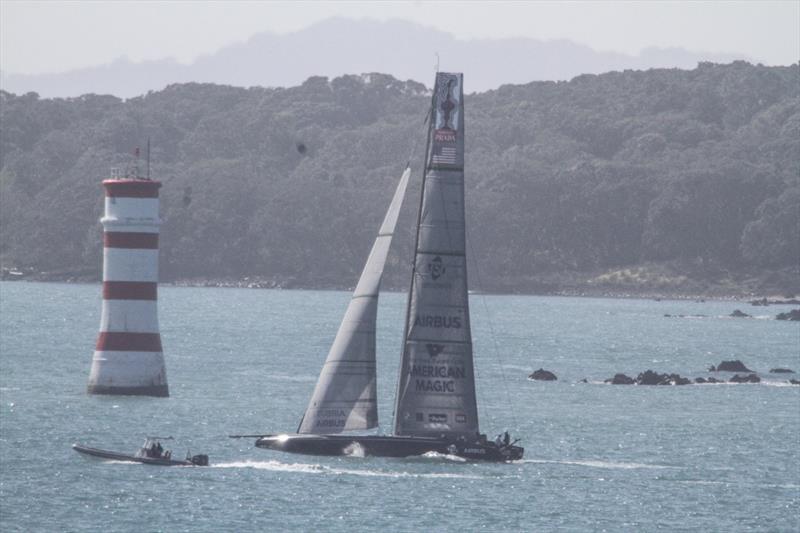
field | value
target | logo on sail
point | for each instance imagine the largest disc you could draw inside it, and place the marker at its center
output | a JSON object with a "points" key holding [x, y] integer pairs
{"points": [[436, 268], [331, 418], [434, 349], [444, 136], [437, 418], [438, 321]]}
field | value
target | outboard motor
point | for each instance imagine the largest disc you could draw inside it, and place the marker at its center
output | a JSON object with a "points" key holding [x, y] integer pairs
{"points": [[199, 460]]}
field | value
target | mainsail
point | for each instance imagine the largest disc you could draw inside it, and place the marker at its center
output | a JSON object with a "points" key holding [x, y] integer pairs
{"points": [[436, 387], [345, 396]]}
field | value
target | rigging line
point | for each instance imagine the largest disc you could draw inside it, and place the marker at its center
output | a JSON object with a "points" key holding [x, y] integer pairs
{"points": [[416, 140], [428, 116], [494, 336]]}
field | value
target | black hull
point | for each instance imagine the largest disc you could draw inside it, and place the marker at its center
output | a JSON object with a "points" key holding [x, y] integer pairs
{"points": [[387, 446], [159, 391], [116, 456]]}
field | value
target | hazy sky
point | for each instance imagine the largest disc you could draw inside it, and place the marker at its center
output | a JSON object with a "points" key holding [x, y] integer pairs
{"points": [[54, 36]]}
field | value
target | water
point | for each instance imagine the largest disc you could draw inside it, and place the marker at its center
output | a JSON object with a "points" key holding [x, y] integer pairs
{"points": [[598, 457]]}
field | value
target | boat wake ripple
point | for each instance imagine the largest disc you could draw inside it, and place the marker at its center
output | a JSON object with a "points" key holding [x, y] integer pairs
{"points": [[305, 468], [600, 464], [354, 449], [436, 456]]}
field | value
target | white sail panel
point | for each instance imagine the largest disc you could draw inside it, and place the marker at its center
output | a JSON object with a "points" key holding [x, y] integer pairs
{"points": [[344, 398], [436, 387]]}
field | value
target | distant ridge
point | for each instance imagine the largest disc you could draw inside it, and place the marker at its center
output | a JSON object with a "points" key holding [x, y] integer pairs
{"points": [[340, 46], [658, 182]]}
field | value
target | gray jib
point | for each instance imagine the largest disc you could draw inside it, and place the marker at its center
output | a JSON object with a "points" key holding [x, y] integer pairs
{"points": [[436, 387], [345, 396]]}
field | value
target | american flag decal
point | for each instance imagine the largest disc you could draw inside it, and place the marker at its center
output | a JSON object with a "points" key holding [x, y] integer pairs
{"points": [[446, 156]]}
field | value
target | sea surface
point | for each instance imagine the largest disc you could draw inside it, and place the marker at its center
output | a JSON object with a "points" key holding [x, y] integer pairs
{"points": [[598, 457]]}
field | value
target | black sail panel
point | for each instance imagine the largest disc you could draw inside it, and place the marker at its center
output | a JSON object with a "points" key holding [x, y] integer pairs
{"points": [[436, 387]]}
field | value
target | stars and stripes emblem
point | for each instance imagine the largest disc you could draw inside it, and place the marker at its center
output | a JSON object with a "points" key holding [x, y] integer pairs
{"points": [[446, 156]]}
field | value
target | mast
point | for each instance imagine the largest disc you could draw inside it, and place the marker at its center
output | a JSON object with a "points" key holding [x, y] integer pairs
{"points": [[436, 386]]}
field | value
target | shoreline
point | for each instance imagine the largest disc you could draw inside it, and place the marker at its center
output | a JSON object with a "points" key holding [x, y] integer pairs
{"points": [[747, 297]]}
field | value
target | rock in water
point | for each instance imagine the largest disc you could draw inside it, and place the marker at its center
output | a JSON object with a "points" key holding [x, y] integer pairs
{"points": [[649, 377], [738, 314], [709, 380], [793, 315], [751, 378], [731, 366], [543, 375], [794, 381], [620, 379], [781, 371], [675, 379]]}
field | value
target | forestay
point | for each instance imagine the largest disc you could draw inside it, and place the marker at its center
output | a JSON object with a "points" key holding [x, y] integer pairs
{"points": [[345, 396], [436, 387]]}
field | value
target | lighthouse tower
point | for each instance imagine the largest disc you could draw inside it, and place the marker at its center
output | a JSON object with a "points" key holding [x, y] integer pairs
{"points": [[128, 359]]}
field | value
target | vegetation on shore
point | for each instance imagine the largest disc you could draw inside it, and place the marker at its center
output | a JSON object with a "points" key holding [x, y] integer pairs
{"points": [[657, 182]]}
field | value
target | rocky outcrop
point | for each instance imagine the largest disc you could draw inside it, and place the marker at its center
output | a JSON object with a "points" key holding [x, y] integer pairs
{"points": [[793, 315], [781, 371], [709, 380], [764, 302], [739, 314], [649, 377], [794, 381], [621, 379], [543, 375], [750, 378], [730, 366]]}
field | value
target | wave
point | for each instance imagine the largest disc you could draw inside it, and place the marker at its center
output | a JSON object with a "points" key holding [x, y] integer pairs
{"points": [[290, 377], [436, 456], [764, 381], [305, 468], [790, 486], [600, 464], [723, 317]]}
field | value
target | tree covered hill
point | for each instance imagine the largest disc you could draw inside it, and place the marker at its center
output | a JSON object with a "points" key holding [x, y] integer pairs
{"points": [[667, 180]]}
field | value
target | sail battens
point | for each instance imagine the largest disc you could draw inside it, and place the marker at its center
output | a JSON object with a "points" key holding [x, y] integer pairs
{"points": [[436, 388], [441, 252], [357, 296], [344, 398], [420, 340]]}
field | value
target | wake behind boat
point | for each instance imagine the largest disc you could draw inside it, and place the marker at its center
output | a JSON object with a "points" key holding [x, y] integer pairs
{"points": [[151, 453], [435, 409]]}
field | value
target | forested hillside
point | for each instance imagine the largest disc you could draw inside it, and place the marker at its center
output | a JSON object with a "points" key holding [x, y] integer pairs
{"points": [[670, 180]]}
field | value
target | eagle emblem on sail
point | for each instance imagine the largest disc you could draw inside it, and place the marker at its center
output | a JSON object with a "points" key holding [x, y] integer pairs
{"points": [[445, 150], [434, 349], [436, 268]]}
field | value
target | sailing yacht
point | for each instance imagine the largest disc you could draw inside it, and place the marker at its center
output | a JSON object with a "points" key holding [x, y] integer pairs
{"points": [[435, 408]]}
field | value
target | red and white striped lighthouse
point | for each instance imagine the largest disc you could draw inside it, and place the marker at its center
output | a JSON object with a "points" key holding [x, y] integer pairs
{"points": [[128, 358]]}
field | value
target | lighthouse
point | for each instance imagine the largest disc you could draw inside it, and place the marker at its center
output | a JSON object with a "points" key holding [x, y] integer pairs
{"points": [[128, 358]]}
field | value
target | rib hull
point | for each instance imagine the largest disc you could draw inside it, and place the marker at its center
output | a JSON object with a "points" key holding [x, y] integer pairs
{"points": [[116, 456]]}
